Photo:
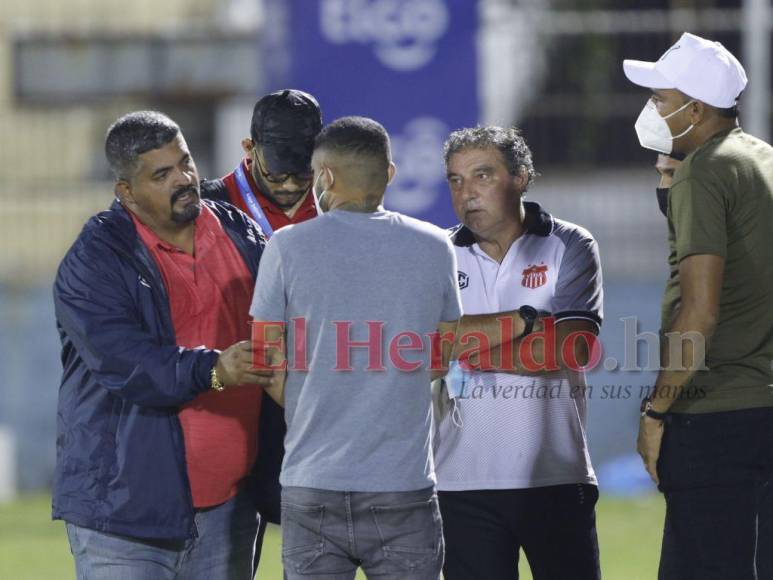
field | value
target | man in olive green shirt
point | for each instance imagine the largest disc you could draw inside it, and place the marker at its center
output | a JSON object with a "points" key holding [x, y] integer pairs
{"points": [[706, 434], [721, 204]]}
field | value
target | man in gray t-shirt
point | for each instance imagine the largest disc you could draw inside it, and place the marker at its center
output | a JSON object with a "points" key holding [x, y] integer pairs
{"points": [[361, 291]]}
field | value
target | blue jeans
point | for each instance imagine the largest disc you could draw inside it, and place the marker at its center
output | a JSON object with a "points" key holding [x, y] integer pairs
{"points": [[223, 550], [329, 534]]}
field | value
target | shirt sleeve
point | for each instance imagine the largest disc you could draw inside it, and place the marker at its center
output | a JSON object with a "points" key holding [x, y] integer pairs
{"points": [[99, 316], [452, 299], [698, 213], [579, 294], [269, 301]]}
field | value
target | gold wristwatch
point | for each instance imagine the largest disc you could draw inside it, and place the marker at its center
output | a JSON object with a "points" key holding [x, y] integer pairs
{"points": [[214, 381]]}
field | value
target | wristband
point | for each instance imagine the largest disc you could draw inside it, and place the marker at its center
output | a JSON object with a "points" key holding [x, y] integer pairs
{"points": [[529, 315], [647, 410]]}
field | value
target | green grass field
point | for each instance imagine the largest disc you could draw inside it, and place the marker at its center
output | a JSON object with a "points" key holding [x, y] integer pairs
{"points": [[34, 548]]}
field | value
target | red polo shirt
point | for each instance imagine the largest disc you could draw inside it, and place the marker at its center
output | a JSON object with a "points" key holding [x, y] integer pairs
{"points": [[275, 216], [209, 296]]}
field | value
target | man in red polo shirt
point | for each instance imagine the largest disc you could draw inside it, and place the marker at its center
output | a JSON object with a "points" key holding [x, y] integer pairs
{"points": [[272, 184], [159, 405]]}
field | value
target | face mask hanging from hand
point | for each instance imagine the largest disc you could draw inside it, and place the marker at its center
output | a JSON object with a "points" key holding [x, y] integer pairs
{"points": [[652, 129]]}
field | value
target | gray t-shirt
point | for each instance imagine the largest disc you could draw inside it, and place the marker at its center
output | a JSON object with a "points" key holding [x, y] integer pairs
{"points": [[347, 276]]}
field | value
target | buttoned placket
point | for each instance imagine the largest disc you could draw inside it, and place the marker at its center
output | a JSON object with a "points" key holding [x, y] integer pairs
{"points": [[491, 283]]}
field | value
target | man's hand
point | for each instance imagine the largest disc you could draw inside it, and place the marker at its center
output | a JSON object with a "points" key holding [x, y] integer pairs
{"points": [[700, 284], [545, 353], [269, 348], [648, 444], [235, 366]]}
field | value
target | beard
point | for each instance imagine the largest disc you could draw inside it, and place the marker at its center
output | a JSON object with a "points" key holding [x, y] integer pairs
{"points": [[190, 211], [282, 199]]}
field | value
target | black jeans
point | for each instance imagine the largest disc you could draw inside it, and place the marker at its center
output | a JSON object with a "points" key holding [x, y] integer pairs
{"points": [[716, 472], [555, 526]]}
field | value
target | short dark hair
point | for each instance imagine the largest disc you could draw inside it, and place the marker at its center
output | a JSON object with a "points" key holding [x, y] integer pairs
{"points": [[509, 142], [724, 112], [135, 134], [729, 112], [356, 136]]}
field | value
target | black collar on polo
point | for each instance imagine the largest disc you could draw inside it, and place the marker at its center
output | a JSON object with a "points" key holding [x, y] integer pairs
{"points": [[537, 221]]}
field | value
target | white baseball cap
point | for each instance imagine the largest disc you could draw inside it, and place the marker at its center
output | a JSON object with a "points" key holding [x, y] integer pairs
{"points": [[700, 68]]}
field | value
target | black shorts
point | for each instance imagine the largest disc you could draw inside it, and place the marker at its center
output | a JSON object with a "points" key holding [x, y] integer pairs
{"points": [[556, 527]]}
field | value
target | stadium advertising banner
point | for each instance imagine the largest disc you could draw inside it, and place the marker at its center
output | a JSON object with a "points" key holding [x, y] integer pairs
{"points": [[409, 64]]}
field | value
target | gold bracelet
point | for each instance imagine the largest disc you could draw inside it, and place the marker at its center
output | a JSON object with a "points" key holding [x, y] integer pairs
{"points": [[214, 381]]}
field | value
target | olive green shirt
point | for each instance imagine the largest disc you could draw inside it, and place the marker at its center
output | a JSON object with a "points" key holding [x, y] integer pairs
{"points": [[721, 203]]}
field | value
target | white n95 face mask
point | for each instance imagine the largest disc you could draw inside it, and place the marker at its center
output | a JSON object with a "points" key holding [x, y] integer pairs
{"points": [[652, 129]]}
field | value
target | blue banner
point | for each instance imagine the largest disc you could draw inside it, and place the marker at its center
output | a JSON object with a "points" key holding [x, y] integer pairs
{"points": [[409, 64]]}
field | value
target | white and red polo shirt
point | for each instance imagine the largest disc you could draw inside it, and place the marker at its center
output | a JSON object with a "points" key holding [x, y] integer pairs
{"points": [[523, 431]]}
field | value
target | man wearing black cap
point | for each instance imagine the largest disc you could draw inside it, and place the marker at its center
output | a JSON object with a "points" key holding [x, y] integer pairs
{"points": [[272, 184], [273, 181]]}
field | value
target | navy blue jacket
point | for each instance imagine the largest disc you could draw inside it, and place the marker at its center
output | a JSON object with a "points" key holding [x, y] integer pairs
{"points": [[120, 452]]}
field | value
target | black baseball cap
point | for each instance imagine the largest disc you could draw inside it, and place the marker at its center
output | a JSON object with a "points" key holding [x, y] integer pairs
{"points": [[285, 124]]}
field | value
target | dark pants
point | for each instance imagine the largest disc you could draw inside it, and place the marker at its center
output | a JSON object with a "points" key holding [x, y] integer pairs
{"points": [[556, 527], [716, 472]]}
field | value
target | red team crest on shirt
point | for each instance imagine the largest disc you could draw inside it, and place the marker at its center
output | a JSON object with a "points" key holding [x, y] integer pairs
{"points": [[535, 276]]}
